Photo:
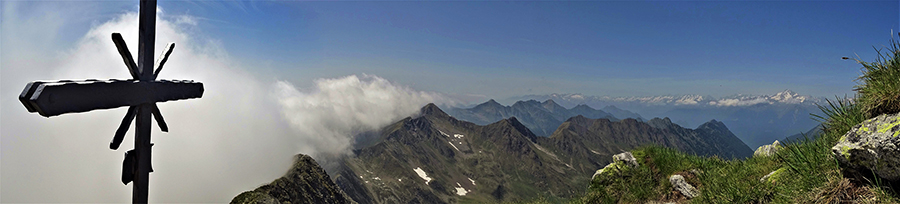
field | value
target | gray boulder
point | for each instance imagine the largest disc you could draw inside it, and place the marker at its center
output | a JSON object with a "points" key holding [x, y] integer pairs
{"points": [[872, 146], [768, 150], [626, 158], [684, 187]]}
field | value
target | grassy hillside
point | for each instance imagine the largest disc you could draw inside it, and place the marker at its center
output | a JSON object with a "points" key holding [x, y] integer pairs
{"points": [[805, 172]]}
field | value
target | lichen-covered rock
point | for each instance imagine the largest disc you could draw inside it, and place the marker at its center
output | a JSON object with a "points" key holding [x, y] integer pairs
{"points": [[768, 150], [620, 161], [773, 176], [683, 186], [872, 146], [609, 168]]}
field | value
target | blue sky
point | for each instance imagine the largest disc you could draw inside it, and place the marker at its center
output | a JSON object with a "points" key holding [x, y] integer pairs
{"points": [[503, 49]]}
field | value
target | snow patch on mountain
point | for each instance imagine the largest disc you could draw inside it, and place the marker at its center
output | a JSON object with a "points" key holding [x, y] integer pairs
{"points": [[454, 146], [422, 174], [460, 190]]}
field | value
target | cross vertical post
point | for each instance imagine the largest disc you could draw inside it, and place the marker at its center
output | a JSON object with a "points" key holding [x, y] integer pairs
{"points": [[146, 41]]}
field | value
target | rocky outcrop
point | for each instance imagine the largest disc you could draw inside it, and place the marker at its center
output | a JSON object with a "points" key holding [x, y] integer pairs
{"points": [[683, 186], [627, 158], [768, 150], [620, 161], [306, 182], [872, 146]]}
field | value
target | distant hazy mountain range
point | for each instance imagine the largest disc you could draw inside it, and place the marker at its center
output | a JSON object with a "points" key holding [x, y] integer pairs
{"points": [[756, 119], [542, 118], [436, 158]]}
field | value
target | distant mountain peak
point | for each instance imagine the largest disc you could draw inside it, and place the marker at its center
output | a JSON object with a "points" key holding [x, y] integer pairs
{"points": [[489, 104], [661, 123], [532, 102], [518, 126], [576, 118], [549, 101], [713, 125], [787, 92], [552, 105], [433, 110]]}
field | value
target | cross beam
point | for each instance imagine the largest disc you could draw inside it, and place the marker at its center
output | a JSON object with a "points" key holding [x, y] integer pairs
{"points": [[140, 94], [55, 98]]}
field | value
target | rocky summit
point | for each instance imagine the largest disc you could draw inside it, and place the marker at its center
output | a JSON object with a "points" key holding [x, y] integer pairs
{"points": [[872, 146], [305, 182]]}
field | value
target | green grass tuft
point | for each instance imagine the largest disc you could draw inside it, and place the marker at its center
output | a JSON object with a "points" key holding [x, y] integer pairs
{"points": [[880, 81]]}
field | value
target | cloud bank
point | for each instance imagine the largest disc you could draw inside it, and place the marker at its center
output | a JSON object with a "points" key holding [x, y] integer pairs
{"points": [[241, 134], [329, 115]]}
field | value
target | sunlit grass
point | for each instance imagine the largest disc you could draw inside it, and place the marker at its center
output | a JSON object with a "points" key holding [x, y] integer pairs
{"points": [[880, 81]]}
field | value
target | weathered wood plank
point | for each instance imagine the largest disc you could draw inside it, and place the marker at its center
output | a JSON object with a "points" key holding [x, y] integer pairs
{"points": [[146, 38], [126, 55], [123, 128], [159, 119], [27, 93], [163, 58], [55, 98]]}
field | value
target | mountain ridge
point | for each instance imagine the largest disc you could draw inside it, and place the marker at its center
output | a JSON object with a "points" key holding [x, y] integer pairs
{"points": [[542, 118], [436, 158], [756, 119]]}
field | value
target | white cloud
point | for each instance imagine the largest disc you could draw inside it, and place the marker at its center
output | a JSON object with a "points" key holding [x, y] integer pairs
{"points": [[327, 116]]}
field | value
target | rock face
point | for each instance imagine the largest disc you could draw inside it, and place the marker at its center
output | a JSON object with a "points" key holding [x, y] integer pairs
{"points": [[872, 146], [768, 150], [306, 182], [684, 187]]}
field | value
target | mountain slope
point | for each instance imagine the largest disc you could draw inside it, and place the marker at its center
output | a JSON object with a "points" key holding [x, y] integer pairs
{"points": [[305, 182], [620, 113], [541, 117], [582, 141], [435, 158]]}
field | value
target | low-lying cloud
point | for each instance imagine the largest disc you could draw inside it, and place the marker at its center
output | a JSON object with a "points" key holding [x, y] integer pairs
{"points": [[241, 134], [332, 112]]}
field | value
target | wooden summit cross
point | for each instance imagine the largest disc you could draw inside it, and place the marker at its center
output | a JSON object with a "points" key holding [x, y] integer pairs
{"points": [[140, 94]]}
